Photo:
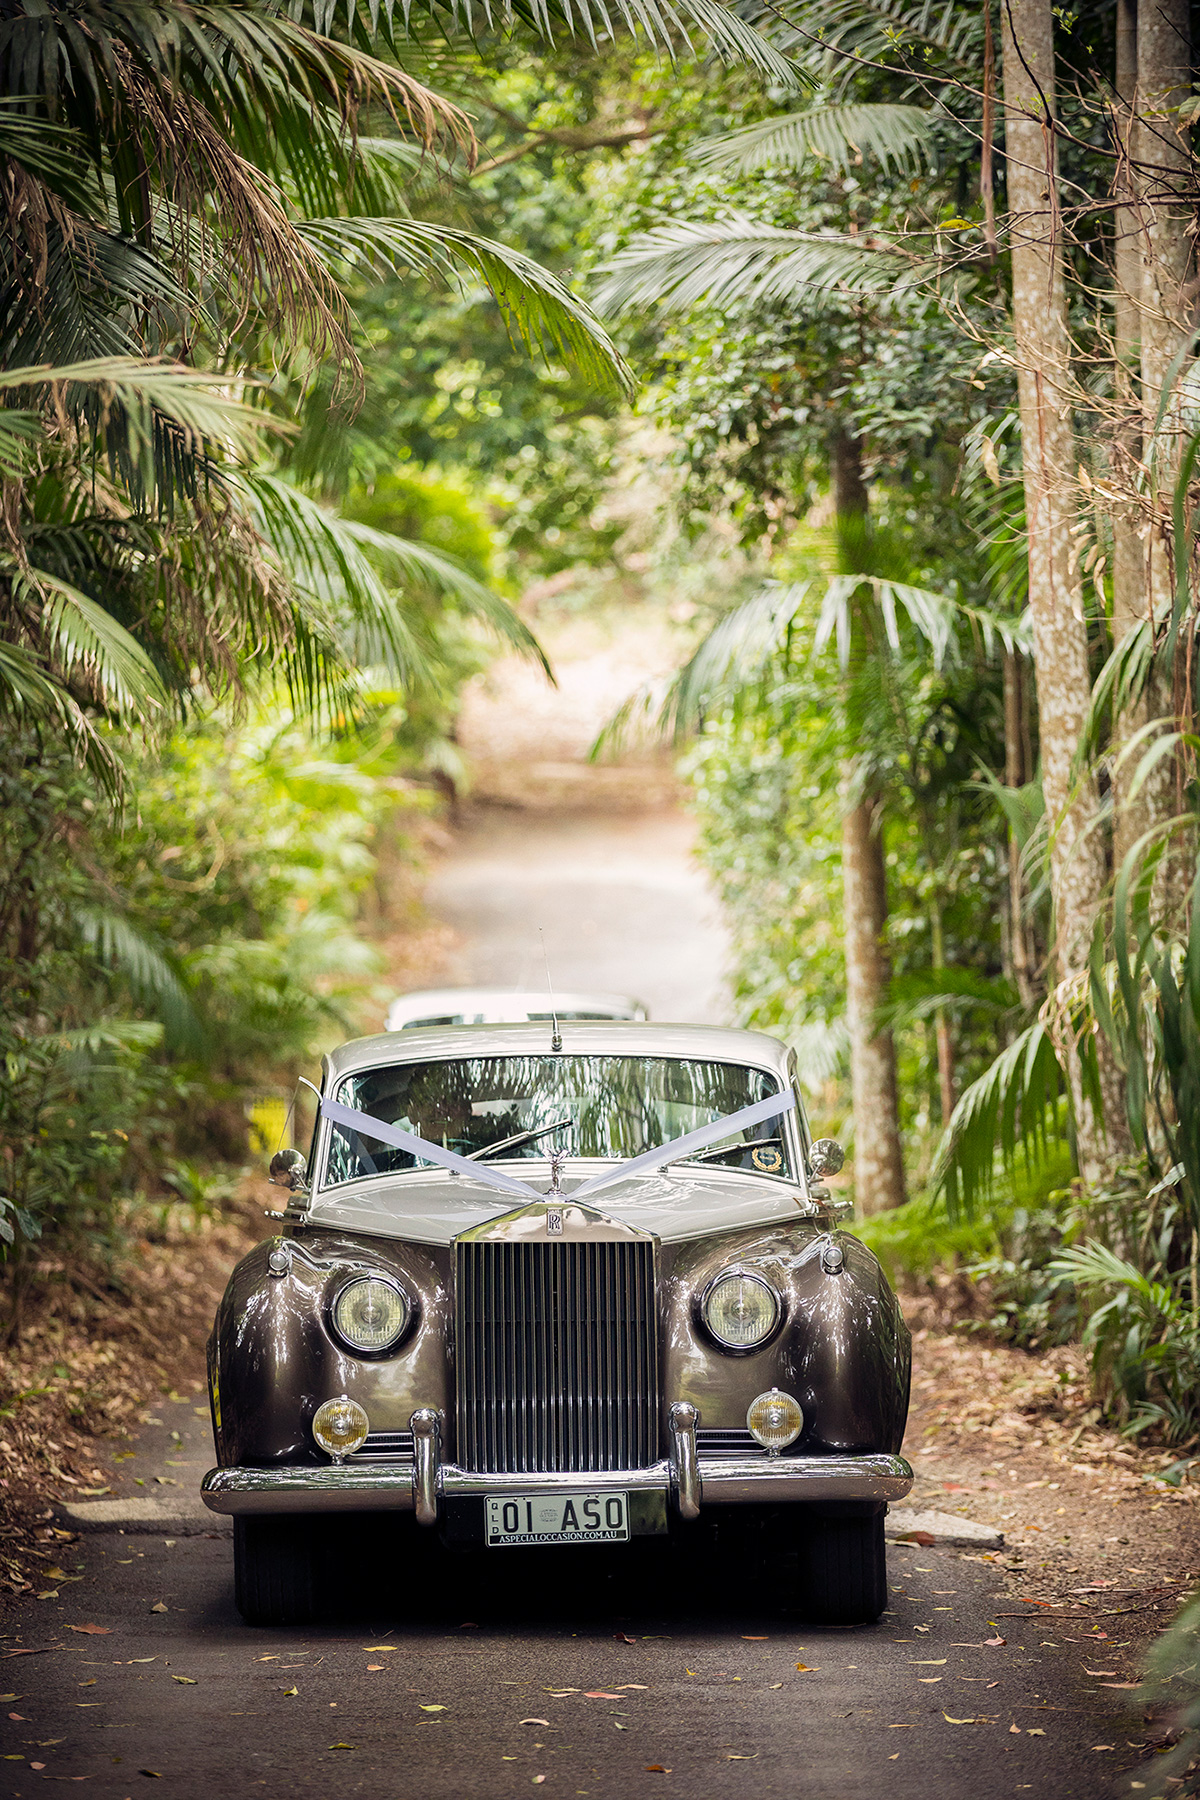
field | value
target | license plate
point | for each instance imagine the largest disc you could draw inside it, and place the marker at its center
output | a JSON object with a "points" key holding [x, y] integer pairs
{"points": [[557, 1519]]}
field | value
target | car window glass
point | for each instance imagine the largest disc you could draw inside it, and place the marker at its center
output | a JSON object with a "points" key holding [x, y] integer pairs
{"points": [[614, 1106]]}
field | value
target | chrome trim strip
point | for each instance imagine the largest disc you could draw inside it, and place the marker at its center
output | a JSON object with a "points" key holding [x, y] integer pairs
{"points": [[426, 1428], [728, 1481], [685, 1469]]}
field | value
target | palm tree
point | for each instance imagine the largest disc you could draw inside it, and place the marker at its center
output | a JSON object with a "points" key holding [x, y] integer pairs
{"points": [[185, 189]]}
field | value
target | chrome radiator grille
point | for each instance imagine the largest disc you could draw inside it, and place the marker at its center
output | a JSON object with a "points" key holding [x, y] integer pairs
{"points": [[557, 1356]]}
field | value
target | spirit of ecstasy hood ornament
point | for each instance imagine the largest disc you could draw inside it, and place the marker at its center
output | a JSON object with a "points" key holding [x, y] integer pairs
{"points": [[558, 1160]]}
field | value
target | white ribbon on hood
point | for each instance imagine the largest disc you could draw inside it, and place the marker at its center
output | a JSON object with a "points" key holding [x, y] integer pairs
{"points": [[366, 1125]]}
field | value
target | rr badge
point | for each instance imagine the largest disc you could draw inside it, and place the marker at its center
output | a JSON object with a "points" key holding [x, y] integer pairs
{"points": [[554, 1221]]}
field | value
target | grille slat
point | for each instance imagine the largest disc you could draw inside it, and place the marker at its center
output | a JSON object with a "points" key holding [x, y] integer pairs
{"points": [[558, 1356]]}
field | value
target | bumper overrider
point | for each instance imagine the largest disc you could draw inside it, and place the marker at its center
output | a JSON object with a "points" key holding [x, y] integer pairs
{"points": [[687, 1482]]}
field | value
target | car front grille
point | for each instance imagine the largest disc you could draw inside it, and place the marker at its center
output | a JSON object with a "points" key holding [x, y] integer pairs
{"points": [[557, 1356], [384, 1447], [716, 1441]]}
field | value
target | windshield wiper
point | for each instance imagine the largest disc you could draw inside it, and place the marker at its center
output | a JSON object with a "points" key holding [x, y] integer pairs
{"points": [[724, 1150], [522, 1137]]}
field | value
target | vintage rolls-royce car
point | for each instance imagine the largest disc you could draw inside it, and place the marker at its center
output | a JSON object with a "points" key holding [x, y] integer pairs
{"points": [[553, 1284]]}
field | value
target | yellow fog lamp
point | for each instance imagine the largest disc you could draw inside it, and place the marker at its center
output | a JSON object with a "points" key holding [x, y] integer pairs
{"points": [[775, 1419], [340, 1427]]}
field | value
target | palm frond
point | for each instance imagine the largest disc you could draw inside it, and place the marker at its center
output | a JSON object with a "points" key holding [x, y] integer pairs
{"points": [[1016, 1104], [738, 261], [86, 640], [936, 617], [534, 302], [733, 655], [119, 946], [898, 137]]}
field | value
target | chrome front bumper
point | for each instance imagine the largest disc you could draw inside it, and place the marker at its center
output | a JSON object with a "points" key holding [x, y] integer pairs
{"points": [[689, 1483]]}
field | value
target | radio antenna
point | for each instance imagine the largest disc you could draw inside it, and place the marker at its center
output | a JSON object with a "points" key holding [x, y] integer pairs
{"points": [[556, 1036]]}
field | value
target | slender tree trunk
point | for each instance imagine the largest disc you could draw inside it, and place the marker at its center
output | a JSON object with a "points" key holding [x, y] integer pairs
{"points": [[1016, 774], [1131, 817], [1060, 647], [941, 1022], [1163, 182], [878, 1161], [878, 1157]]}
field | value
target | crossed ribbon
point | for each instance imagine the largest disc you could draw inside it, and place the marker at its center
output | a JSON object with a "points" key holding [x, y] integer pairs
{"points": [[367, 1126]]}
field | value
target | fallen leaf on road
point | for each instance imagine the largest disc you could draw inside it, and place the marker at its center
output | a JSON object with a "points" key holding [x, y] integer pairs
{"points": [[623, 1637], [951, 1721], [1014, 1730], [754, 1640], [433, 1708], [777, 1684], [535, 1721], [1102, 1671], [601, 1694], [1120, 1684], [154, 1774], [56, 1574], [371, 1649], [805, 1670], [913, 1727], [34, 1765], [1028, 1600], [159, 1606], [995, 1643], [93, 1630], [538, 1780], [343, 1746], [953, 1487], [374, 1668], [20, 1718], [657, 1769], [39, 1650], [290, 1693], [1104, 1746], [619, 1726], [48, 1594], [928, 1662], [924, 1538], [559, 1693], [929, 1678], [186, 1680], [628, 1687], [735, 1757], [1034, 1731]]}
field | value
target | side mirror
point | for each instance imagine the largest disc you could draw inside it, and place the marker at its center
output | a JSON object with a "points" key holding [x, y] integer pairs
{"points": [[825, 1158], [288, 1169]]}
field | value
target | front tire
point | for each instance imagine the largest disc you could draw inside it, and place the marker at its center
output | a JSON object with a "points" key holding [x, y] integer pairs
{"points": [[275, 1570], [843, 1569]]}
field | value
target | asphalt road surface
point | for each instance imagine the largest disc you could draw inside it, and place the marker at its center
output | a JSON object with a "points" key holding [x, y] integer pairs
{"points": [[600, 1673], [620, 902]]}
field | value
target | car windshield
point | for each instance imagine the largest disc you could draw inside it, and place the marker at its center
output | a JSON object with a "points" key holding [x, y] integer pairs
{"points": [[600, 1106]]}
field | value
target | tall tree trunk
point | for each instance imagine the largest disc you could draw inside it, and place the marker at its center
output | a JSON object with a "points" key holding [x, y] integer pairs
{"points": [[1016, 774], [878, 1157], [1077, 861], [1164, 179], [1129, 570]]}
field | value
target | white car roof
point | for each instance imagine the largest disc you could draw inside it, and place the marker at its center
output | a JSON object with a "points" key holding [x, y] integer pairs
{"points": [[503, 1006], [617, 1037]]}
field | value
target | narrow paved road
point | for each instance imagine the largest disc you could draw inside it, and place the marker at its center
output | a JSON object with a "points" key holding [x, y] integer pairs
{"points": [[590, 1675], [586, 1673]]}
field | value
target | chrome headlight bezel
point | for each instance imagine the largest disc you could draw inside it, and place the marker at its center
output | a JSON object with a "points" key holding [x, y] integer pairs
{"points": [[372, 1353], [773, 1295]]}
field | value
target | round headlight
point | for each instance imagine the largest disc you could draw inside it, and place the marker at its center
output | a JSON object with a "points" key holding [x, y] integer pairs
{"points": [[370, 1314], [741, 1310], [775, 1419], [340, 1427]]}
